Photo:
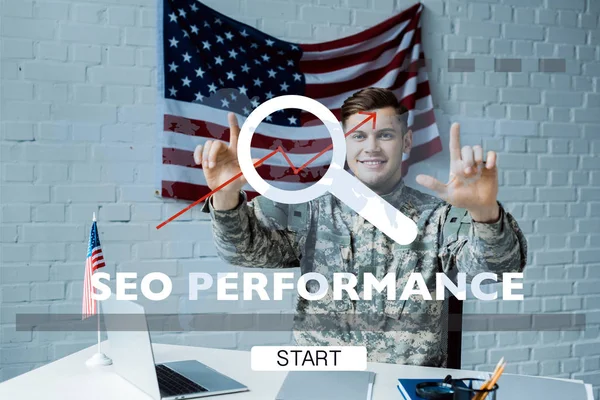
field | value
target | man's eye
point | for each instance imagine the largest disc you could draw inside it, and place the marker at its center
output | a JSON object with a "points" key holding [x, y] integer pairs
{"points": [[358, 136], [386, 135]]}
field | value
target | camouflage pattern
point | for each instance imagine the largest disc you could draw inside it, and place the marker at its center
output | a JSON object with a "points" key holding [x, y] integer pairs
{"points": [[326, 236]]}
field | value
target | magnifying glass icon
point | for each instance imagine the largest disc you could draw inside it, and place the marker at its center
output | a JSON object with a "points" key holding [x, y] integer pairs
{"points": [[336, 180]]}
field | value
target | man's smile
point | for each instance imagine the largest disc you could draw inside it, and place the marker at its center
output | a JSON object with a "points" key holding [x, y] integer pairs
{"points": [[372, 163]]}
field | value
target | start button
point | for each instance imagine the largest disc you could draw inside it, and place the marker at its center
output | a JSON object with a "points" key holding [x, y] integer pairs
{"points": [[308, 358]]}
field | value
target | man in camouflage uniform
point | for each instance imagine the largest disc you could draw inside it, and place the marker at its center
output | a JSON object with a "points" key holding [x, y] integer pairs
{"points": [[467, 231]]}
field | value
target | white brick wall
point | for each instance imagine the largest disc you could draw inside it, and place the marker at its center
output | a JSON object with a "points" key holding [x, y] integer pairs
{"points": [[77, 102]]}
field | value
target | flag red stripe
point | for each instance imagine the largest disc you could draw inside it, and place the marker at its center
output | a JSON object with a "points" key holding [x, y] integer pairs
{"points": [[425, 120], [364, 35], [184, 158], [98, 266], [96, 259], [348, 60], [199, 128], [410, 101]]}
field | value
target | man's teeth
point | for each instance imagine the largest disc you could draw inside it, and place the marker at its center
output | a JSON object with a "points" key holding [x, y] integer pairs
{"points": [[372, 162]]}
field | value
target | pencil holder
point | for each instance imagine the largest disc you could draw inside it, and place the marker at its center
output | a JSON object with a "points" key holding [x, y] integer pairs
{"points": [[468, 389]]}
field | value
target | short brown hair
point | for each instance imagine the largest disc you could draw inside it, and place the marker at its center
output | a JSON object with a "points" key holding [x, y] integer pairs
{"points": [[373, 98]]}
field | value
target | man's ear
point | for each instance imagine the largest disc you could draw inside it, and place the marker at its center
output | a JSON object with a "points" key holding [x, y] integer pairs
{"points": [[407, 139]]}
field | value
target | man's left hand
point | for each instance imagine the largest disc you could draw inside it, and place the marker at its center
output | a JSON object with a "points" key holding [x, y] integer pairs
{"points": [[473, 183]]}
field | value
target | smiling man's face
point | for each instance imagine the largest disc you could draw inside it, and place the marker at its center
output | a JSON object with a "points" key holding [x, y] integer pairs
{"points": [[375, 155]]}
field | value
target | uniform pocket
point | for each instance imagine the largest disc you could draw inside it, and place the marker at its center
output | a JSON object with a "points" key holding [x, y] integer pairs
{"points": [[334, 252]]}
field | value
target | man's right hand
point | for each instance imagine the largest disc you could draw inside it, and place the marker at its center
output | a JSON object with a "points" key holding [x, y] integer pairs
{"points": [[220, 163]]}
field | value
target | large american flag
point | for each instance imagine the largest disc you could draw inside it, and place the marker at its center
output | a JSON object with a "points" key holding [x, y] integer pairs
{"points": [[93, 261], [210, 64]]}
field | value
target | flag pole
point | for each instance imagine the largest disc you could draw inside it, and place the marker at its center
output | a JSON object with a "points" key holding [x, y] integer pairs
{"points": [[98, 319], [99, 358]]}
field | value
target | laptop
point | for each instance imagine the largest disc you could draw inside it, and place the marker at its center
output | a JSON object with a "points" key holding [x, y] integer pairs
{"points": [[133, 359]]}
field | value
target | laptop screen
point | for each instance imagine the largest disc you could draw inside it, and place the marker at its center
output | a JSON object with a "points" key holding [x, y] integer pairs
{"points": [[130, 345]]}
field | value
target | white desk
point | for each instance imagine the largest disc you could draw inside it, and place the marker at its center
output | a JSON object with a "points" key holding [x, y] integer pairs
{"points": [[70, 378]]}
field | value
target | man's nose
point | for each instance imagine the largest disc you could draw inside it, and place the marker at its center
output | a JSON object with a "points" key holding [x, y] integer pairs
{"points": [[372, 145]]}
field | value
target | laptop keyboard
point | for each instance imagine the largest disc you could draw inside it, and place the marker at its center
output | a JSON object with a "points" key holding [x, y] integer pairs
{"points": [[172, 383]]}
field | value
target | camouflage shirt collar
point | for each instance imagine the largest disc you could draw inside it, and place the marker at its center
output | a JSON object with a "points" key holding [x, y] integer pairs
{"points": [[397, 195]]}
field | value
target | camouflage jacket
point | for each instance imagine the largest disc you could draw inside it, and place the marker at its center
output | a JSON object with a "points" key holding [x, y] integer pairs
{"points": [[326, 236]]}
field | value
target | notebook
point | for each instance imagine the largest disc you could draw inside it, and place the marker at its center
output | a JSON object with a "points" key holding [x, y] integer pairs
{"points": [[408, 387], [327, 385]]}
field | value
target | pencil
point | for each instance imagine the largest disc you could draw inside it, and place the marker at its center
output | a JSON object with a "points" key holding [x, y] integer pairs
{"points": [[494, 380], [485, 385]]}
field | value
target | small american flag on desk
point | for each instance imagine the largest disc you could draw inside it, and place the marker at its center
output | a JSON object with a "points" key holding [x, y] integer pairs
{"points": [[210, 64], [93, 261]]}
